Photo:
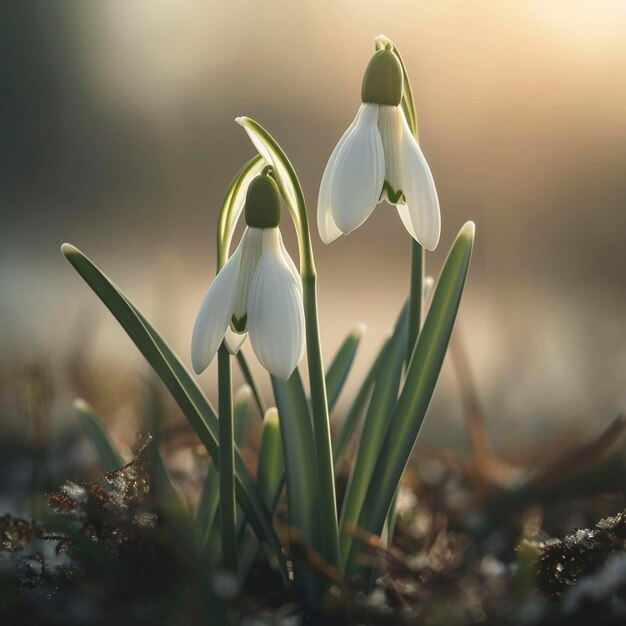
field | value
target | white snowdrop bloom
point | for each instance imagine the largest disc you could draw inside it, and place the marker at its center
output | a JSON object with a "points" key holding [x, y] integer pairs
{"points": [[378, 158], [258, 292]]}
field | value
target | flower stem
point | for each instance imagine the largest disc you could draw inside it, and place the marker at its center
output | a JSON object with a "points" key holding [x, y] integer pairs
{"points": [[291, 190], [416, 295], [321, 426], [249, 378], [226, 462]]}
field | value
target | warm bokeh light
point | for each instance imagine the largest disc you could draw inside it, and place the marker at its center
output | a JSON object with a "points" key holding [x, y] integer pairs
{"points": [[117, 134]]}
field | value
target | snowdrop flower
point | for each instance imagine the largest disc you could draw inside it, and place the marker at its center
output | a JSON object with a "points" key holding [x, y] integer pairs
{"points": [[378, 158], [257, 292]]}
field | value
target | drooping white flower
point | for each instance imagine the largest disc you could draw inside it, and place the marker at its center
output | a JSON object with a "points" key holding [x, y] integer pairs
{"points": [[257, 292], [378, 158]]}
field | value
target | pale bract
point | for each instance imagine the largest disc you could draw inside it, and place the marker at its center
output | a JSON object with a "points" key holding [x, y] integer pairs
{"points": [[257, 292], [377, 159]]}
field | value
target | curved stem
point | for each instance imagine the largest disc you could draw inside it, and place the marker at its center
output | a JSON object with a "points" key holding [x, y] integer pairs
{"points": [[291, 190], [226, 462], [416, 295]]}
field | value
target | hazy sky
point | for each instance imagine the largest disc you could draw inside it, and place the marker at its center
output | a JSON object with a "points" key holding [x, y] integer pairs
{"points": [[117, 134]]}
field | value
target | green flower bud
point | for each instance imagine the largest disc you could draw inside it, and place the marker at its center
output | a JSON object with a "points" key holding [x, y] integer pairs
{"points": [[262, 207], [382, 82]]}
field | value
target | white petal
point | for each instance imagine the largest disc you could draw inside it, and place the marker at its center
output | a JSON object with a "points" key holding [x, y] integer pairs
{"points": [[403, 212], [239, 200], [289, 261], [325, 224], [419, 191], [390, 127], [215, 313], [234, 340], [251, 244], [358, 173], [275, 310]]}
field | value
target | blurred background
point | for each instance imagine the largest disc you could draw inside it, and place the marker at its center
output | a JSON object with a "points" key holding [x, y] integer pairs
{"points": [[117, 135]]}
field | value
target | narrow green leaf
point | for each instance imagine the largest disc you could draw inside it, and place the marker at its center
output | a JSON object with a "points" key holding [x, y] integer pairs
{"points": [[421, 377], [349, 424], [207, 508], [339, 369], [300, 466], [110, 460], [184, 390], [168, 494], [375, 426], [241, 405], [271, 465], [270, 478]]}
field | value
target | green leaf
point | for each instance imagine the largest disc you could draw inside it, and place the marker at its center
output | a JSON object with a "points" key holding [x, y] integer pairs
{"points": [[349, 424], [110, 460], [208, 506], [271, 465], [241, 405], [184, 390], [421, 377], [375, 426], [167, 493], [270, 479], [340, 366], [300, 466]]}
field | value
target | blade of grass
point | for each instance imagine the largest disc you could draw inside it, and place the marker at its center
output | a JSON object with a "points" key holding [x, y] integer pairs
{"points": [[374, 429], [339, 369], [110, 460], [300, 469], [184, 390], [349, 424], [207, 509], [421, 377], [168, 495], [270, 477], [270, 465]]}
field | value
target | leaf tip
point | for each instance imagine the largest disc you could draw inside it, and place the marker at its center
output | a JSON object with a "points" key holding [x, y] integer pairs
{"points": [[243, 394], [468, 230], [81, 406], [359, 330], [271, 417], [68, 249]]}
